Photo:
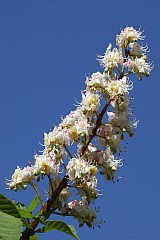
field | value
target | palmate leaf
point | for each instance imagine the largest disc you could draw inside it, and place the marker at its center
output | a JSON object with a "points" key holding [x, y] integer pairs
{"points": [[8, 207], [23, 213], [10, 227], [15, 209], [33, 204], [59, 225]]}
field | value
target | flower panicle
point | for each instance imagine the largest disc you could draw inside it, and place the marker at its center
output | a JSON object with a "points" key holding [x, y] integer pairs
{"points": [[97, 127]]}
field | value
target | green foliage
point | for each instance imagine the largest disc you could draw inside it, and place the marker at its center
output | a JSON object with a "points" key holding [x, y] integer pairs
{"points": [[33, 204], [59, 225], [25, 213], [8, 207], [34, 237], [10, 227]]}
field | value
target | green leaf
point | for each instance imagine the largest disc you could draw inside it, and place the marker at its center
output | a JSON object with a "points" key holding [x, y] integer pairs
{"points": [[10, 227], [73, 230], [33, 204], [8, 207], [59, 225], [34, 237], [24, 213]]}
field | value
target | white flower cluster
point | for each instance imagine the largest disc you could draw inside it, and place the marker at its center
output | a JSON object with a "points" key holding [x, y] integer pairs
{"points": [[128, 35], [81, 211], [103, 115], [111, 59], [82, 173], [135, 54]]}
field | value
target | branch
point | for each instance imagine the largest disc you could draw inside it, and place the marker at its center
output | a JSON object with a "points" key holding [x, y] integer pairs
{"points": [[47, 206], [98, 124]]}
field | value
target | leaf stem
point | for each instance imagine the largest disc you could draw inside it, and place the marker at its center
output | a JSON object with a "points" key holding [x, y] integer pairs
{"points": [[36, 190]]}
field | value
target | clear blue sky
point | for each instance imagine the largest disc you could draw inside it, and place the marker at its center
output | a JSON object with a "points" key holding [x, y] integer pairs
{"points": [[46, 47]]}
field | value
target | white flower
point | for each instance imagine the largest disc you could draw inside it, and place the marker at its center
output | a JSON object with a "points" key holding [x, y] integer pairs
{"points": [[105, 160], [107, 130], [96, 83], [119, 87], [121, 103], [70, 119], [121, 120], [57, 153], [109, 135], [127, 35], [82, 174], [90, 102], [21, 177], [57, 136], [140, 66], [44, 164], [78, 168], [111, 59], [81, 211], [77, 125], [83, 126]]}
